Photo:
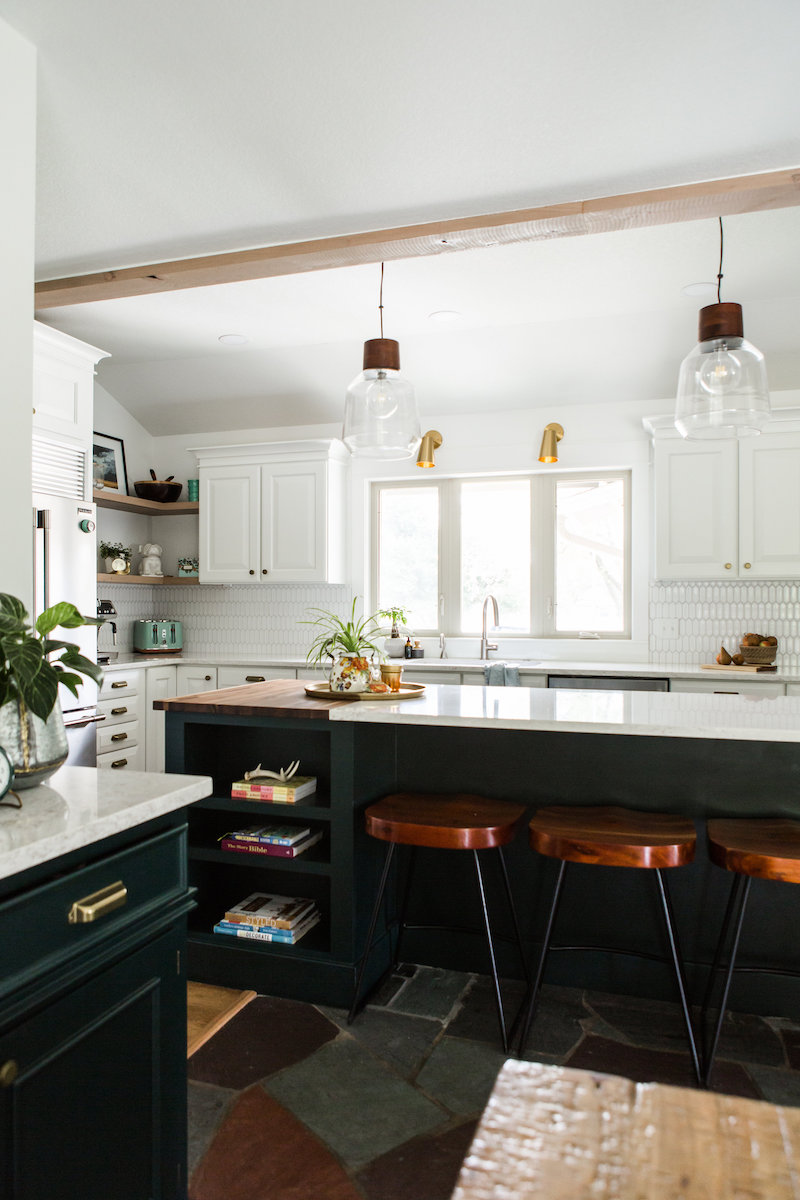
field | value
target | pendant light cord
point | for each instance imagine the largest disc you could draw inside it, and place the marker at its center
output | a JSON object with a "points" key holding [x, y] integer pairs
{"points": [[719, 274], [380, 299]]}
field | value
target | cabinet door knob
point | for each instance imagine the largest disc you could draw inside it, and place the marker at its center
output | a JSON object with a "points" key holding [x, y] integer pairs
{"points": [[728, 566], [263, 570], [747, 566], [207, 678], [252, 572], [8, 1072]]}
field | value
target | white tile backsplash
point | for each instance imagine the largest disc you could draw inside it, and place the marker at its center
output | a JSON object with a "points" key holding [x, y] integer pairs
{"points": [[708, 615]]}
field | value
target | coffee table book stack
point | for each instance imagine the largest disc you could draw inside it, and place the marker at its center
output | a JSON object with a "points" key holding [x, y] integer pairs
{"points": [[275, 841], [287, 792], [264, 917]]}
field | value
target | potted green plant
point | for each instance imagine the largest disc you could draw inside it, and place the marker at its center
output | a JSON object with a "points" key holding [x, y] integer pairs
{"points": [[32, 665], [393, 645], [112, 552], [347, 643]]}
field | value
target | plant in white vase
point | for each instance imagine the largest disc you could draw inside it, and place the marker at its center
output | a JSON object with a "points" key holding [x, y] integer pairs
{"points": [[347, 643], [394, 644]]}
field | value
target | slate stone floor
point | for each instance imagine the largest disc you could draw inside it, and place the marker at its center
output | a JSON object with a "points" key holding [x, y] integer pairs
{"points": [[288, 1103]]}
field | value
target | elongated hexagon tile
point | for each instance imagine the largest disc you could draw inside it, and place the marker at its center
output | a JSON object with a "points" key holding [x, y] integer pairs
{"points": [[352, 1102], [266, 1036]]}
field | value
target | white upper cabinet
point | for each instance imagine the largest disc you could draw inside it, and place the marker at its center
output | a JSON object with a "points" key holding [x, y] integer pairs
{"points": [[727, 509], [272, 513], [63, 384]]}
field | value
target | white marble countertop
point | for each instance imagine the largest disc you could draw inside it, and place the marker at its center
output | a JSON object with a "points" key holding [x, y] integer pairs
{"points": [[650, 714], [472, 665], [81, 805]]}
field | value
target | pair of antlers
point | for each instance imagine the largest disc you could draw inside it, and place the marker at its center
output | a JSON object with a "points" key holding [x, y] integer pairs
{"points": [[283, 775]]}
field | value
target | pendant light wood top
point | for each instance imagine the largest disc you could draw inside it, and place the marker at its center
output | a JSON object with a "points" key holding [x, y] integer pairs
{"points": [[719, 321], [382, 354]]}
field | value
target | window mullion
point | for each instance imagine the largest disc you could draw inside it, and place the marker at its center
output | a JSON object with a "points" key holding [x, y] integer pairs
{"points": [[543, 588], [450, 555]]}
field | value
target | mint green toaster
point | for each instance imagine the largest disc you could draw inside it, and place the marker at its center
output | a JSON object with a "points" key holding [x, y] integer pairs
{"points": [[157, 637]]}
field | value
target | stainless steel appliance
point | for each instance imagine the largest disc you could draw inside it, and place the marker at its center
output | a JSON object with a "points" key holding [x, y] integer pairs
{"points": [[106, 653], [608, 683], [65, 568], [157, 637]]}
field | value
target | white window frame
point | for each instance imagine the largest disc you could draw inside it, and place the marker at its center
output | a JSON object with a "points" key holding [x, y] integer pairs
{"points": [[543, 564]]}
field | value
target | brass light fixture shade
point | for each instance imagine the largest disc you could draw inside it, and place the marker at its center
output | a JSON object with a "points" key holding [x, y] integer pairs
{"points": [[553, 433], [431, 441]]}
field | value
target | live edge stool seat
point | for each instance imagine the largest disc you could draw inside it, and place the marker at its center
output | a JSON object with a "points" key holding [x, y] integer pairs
{"points": [[443, 822], [759, 848], [613, 837]]}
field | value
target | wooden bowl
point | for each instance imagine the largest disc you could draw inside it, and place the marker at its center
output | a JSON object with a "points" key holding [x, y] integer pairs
{"points": [[158, 489], [758, 656]]}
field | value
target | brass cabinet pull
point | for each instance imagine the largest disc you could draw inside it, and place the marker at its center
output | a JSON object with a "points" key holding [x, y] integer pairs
{"points": [[207, 678], [728, 566], [118, 737], [8, 1072], [91, 908], [120, 683], [252, 572], [264, 571], [747, 566], [121, 762], [117, 712], [255, 679]]}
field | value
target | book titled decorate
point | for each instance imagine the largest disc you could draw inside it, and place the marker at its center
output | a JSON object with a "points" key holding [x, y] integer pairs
{"points": [[290, 792], [271, 849], [265, 933], [281, 912]]}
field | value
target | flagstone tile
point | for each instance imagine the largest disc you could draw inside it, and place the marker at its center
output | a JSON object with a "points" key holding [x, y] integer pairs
{"points": [[460, 1075], [207, 1108], [425, 1168], [266, 1036], [645, 1065], [430, 992], [358, 1107], [779, 1087], [262, 1151], [402, 1041]]}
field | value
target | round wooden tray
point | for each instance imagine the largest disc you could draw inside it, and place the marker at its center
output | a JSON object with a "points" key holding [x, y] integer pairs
{"points": [[321, 691]]}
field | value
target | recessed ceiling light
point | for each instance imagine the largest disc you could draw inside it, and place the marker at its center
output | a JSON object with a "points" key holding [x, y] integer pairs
{"points": [[699, 289], [444, 314], [233, 339]]}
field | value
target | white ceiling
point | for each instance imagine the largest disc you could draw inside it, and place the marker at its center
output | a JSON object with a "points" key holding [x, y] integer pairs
{"points": [[170, 129]]}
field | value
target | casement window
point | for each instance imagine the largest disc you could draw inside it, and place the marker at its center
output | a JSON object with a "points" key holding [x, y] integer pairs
{"points": [[553, 549]]}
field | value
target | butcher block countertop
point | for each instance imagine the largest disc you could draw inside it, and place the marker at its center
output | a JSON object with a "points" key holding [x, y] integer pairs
{"points": [[276, 698]]}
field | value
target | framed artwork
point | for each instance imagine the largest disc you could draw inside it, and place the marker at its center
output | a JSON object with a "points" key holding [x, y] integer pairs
{"points": [[108, 463]]}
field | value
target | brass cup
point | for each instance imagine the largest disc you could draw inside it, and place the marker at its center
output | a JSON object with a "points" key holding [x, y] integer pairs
{"points": [[392, 673]]}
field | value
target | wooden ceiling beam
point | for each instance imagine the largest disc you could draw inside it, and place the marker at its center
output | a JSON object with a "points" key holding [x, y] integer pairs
{"points": [[661, 206]]}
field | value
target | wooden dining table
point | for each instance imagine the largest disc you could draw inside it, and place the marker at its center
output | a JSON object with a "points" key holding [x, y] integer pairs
{"points": [[563, 1134]]}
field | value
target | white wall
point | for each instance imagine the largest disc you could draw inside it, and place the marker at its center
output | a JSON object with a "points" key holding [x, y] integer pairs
{"points": [[17, 155]]}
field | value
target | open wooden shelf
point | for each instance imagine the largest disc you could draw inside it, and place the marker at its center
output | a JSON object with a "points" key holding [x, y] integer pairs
{"points": [[171, 580], [134, 504]]}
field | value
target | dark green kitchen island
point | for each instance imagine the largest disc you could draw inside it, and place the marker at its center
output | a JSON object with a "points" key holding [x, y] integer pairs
{"points": [[694, 754]]}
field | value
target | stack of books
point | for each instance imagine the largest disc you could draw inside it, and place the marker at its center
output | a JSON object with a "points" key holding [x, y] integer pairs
{"points": [[267, 918], [276, 841], [274, 792]]}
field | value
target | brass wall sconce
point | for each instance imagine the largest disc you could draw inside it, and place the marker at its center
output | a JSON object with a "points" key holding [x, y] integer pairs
{"points": [[431, 441], [553, 433]]}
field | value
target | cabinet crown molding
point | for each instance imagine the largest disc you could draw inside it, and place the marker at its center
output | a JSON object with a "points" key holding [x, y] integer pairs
{"points": [[310, 450], [783, 420]]}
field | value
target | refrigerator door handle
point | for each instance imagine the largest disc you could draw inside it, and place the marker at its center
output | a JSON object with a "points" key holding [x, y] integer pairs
{"points": [[41, 559]]}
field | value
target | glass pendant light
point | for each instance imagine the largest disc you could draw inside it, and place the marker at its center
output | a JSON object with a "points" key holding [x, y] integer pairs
{"points": [[380, 412], [722, 386]]}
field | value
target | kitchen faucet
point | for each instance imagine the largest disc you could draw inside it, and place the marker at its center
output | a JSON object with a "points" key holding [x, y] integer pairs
{"points": [[486, 646]]}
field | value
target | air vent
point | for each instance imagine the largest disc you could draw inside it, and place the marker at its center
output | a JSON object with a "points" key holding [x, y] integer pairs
{"points": [[59, 469]]}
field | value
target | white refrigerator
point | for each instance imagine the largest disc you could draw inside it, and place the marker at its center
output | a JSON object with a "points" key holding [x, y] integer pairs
{"points": [[65, 568]]}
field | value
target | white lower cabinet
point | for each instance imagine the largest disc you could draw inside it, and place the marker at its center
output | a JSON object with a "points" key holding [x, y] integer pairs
{"points": [[195, 679], [131, 757], [122, 733], [239, 676], [161, 684], [728, 687]]}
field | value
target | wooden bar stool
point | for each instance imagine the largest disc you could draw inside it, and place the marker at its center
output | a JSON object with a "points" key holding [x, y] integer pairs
{"points": [[752, 849], [614, 837], [438, 822]]}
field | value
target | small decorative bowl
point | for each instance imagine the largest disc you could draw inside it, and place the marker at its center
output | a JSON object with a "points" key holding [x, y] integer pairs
{"points": [[758, 656], [162, 490]]}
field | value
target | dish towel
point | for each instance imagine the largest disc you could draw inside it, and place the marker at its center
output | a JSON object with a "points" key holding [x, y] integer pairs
{"points": [[499, 674]]}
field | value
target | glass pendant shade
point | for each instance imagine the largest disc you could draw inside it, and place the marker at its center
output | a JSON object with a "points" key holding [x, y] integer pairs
{"points": [[722, 386], [380, 412]]}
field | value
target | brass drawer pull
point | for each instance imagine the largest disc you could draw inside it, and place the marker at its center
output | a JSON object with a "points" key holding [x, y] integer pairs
{"points": [[117, 712], [8, 1073], [120, 683], [121, 762], [255, 679], [90, 908], [118, 737]]}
